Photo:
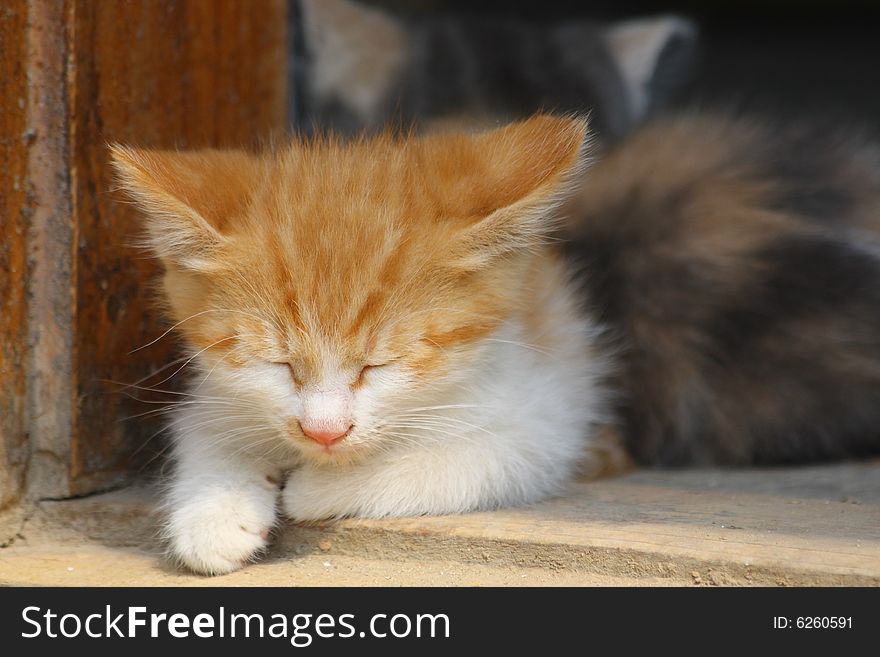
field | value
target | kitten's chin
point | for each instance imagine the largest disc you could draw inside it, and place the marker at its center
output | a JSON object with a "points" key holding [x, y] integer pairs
{"points": [[341, 454]]}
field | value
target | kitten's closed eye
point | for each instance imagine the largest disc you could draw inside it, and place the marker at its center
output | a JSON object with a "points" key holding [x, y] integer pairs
{"points": [[366, 369], [290, 367], [370, 367]]}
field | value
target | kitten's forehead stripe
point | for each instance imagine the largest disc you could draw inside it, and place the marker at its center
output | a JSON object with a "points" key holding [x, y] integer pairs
{"points": [[387, 279], [461, 334], [283, 280]]}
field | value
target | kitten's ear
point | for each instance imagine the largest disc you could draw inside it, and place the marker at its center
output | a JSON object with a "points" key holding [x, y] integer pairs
{"points": [[529, 169], [354, 53], [188, 198], [654, 56]]}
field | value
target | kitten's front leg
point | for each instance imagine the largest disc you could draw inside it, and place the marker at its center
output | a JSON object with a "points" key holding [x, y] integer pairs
{"points": [[220, 506], [316, 493], [424, 480]]}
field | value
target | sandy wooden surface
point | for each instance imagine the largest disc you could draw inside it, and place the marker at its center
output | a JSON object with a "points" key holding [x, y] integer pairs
{"points": [[799, 526]]}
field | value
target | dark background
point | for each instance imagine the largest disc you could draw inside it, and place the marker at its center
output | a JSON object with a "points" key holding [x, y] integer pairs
{"points": [[776, 56]]}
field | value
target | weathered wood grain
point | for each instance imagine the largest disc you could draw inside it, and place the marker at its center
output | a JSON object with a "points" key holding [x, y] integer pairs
{"points": [[51, 233], [14, 207]]}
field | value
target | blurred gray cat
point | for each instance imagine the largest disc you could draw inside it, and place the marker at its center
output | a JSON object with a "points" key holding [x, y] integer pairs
{"points": [[359, 66]]}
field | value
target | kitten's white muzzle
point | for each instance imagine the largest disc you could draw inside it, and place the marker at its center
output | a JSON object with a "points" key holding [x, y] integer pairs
{"points": [[326, 415]]}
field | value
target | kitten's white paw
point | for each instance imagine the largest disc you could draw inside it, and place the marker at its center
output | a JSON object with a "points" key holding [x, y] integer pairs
{"points": [[219, 531]]}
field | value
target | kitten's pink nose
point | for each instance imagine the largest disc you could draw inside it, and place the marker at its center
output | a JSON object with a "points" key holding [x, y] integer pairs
{"points": [[325, 436]]}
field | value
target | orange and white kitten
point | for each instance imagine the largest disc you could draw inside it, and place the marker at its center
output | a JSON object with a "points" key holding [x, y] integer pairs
{"points": [[383, 322]]}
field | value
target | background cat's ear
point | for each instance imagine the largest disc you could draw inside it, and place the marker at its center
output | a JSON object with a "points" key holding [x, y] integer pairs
{"points": [[528, 168], [655, 57], [188, 198], [353, 54]]}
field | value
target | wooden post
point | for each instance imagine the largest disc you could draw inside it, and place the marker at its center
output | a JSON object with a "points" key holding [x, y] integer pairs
{"points": [[14, 210], [155, 73]]}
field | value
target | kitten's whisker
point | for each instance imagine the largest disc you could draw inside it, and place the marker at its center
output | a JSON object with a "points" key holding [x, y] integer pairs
{"points": [[187, 402], [196, 355], [156, 456], [447, 406], [167, 408], [428, 421], [428, 431], [183, 321], [199, 353], [525, 345], [438, 424], [211, 371], [150, 375], [244, 434], [198, 426], [150, 413], [417, 440], [441, 420], [153, 388], [146, 442], [254, 444], [434, 430]]}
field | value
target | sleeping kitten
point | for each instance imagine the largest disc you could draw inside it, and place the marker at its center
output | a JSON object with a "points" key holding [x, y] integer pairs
{"points": [[386, 321], [359, 67]]}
